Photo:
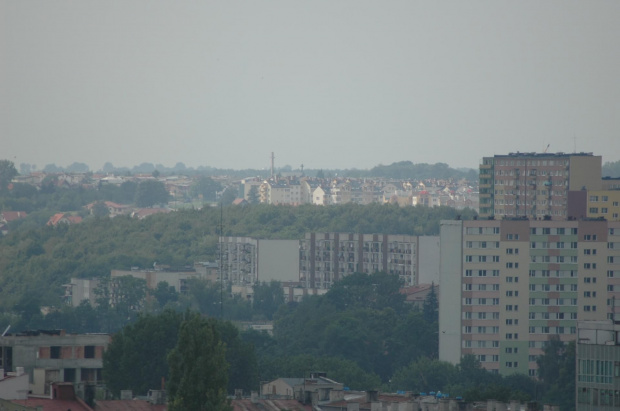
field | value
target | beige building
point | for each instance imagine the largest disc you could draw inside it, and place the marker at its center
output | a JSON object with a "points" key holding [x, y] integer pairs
{"points": [[508, 286], [274, 191], [535, 185], [603, 204]]}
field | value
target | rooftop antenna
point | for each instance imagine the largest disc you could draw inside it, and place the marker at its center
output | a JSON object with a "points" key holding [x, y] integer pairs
{"points": [[574, 144], [273, 157], [547, 148]]}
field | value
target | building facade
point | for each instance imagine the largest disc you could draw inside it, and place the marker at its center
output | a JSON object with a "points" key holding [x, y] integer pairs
{"points": [[508, 286], [598, 366], [246, 261], [54, 356], [328, 257], [535, 185]]}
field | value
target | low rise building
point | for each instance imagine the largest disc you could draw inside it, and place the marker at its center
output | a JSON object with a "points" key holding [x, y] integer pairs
{"points": [[598, 365], [54, 356]]}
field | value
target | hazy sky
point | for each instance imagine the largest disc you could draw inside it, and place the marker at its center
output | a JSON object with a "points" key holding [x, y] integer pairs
{"points": [[330, 84]]}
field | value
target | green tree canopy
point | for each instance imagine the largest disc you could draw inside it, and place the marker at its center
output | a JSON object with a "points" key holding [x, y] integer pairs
{"points": [[151, 192], [7, 172], [198, 376], [136, 358], [205, 187]]}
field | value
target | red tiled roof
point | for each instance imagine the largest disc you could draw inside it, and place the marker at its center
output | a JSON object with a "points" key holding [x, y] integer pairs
{"points": [[55, 219], [261, 405], [49, 404], [127, 405], [13, 215]]}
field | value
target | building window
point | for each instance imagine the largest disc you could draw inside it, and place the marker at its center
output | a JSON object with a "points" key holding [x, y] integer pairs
{"points": [[55, 351], [89, 351]]}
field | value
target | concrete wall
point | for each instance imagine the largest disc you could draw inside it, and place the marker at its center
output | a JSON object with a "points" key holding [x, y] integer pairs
{"points": [[428, 260], [450, 275], [278, 260]]}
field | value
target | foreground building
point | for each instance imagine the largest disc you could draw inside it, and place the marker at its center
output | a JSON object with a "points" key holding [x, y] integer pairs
{"points": [[598, 366], [54, 356], [509, 286]]}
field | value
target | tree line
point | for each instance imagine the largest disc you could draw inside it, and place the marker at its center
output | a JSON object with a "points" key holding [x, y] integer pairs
{"points": [[361, 332]]}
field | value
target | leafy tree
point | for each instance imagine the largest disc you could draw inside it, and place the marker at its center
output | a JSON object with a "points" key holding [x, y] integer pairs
{"points": [[424, 375], [556, 369], [151, 192], [241, 359], [165, 294], [253, 197], [198, 377], [128, 190], [100, 210], [7, 172], [136, 357], [120, 300], [267, 299], [430, 308], [77, 168], [205, 187], [611, 169], [229, 195]]}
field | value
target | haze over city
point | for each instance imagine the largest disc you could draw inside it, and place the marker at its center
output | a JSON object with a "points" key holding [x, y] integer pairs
{"points": [[347, 84]]}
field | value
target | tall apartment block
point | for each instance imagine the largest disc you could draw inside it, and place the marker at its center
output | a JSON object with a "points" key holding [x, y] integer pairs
{"points": [[508, 286], [328, 257], [535, 185]]}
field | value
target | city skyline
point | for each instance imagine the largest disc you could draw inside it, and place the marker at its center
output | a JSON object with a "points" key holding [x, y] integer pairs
{"points": [[328, 85]]}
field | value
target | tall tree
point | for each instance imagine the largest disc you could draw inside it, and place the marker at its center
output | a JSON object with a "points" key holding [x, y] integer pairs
{"points": [[556, 368], [151, 192], [430, 308], [198, 376], [136, 357], [7, 172], [268, 297], [253, 197], [205, 187]]}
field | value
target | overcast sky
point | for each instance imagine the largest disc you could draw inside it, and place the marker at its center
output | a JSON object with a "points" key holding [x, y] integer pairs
{"points": [[330, 84]]}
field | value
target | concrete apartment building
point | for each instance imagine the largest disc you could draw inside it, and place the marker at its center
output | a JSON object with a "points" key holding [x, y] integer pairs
{"points": [[535, 184], [276, 192], [603, 204], [328, 257], [53, 356], [246, 261], [598, 366], [176, 277], [508, 286]]}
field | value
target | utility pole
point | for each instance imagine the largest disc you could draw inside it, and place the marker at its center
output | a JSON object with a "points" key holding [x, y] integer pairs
{"points": [[221, 262]]}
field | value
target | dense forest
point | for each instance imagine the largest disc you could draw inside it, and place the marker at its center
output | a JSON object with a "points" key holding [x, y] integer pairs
{"points": [[41, 260]]}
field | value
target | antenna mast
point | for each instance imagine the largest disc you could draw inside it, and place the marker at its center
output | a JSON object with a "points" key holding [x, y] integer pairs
{"points": [[272, 163]]}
